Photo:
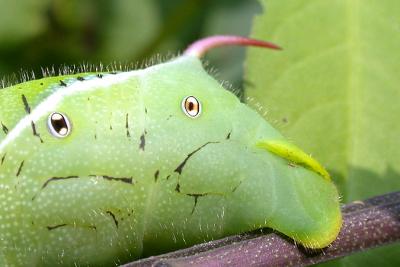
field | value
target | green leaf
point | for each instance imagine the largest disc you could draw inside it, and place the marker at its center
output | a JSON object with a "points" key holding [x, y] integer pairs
{"points": [[334, 90]]}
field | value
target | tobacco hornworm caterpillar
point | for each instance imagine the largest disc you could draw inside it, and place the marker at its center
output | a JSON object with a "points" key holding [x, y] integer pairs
{"points": [[100, 169]]}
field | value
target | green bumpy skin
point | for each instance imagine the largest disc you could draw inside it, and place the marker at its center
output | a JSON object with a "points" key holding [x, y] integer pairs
{"points": [[138, 177]]}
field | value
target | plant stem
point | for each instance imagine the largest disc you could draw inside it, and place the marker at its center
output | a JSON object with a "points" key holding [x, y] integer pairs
{"points": [[367, 224]]}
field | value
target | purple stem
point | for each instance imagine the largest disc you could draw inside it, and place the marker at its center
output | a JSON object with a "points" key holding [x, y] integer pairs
{"points": [[367, 224], [200, 47]]}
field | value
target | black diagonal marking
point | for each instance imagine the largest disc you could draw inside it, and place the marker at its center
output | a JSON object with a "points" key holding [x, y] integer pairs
{"points": [[127, 125], [142, 141], [3, 158], [53, 179], [196, 196], [20, 168], [113, 217], [52, 227], [128, 180], [28, 111], [62, 83], [156, 174], [26, 104], [228, 136], [183, 163], [35, 133], [120, 179], [236, 187], [5, 129]]}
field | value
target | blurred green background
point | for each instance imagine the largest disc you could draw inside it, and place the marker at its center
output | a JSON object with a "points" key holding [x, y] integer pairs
{"points": [[47, 33]]}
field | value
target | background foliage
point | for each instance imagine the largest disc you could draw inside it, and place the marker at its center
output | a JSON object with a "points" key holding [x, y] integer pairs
{"points": [[333, 90], [46, 33]]}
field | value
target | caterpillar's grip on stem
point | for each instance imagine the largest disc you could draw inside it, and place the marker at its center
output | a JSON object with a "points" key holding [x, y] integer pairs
{"points": [[374, 222], [202, 46]]}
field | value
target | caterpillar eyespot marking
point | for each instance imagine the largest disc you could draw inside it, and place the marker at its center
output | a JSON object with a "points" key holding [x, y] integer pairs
{"points": [[191, 106], [59, 125]]}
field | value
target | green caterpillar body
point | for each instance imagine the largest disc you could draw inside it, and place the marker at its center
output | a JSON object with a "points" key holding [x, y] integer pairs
{"points": [[133, 173]]}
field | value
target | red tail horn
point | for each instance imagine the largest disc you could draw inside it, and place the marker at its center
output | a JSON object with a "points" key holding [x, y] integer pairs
{"points": [[200, 47]]}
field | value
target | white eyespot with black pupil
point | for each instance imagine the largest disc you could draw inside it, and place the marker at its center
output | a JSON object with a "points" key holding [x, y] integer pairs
{"points": [[59, 125], [191, 106]]}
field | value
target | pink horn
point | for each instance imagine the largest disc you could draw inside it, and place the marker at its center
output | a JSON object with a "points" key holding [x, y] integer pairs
{"points": [[200, 47]]}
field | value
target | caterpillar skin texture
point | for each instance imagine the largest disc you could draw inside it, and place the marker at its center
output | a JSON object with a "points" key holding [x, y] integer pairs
{"points": [[137, 176]]}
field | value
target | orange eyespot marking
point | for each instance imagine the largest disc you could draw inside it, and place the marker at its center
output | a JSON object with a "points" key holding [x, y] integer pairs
{"points": [[58, 125], [191, 106]]}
